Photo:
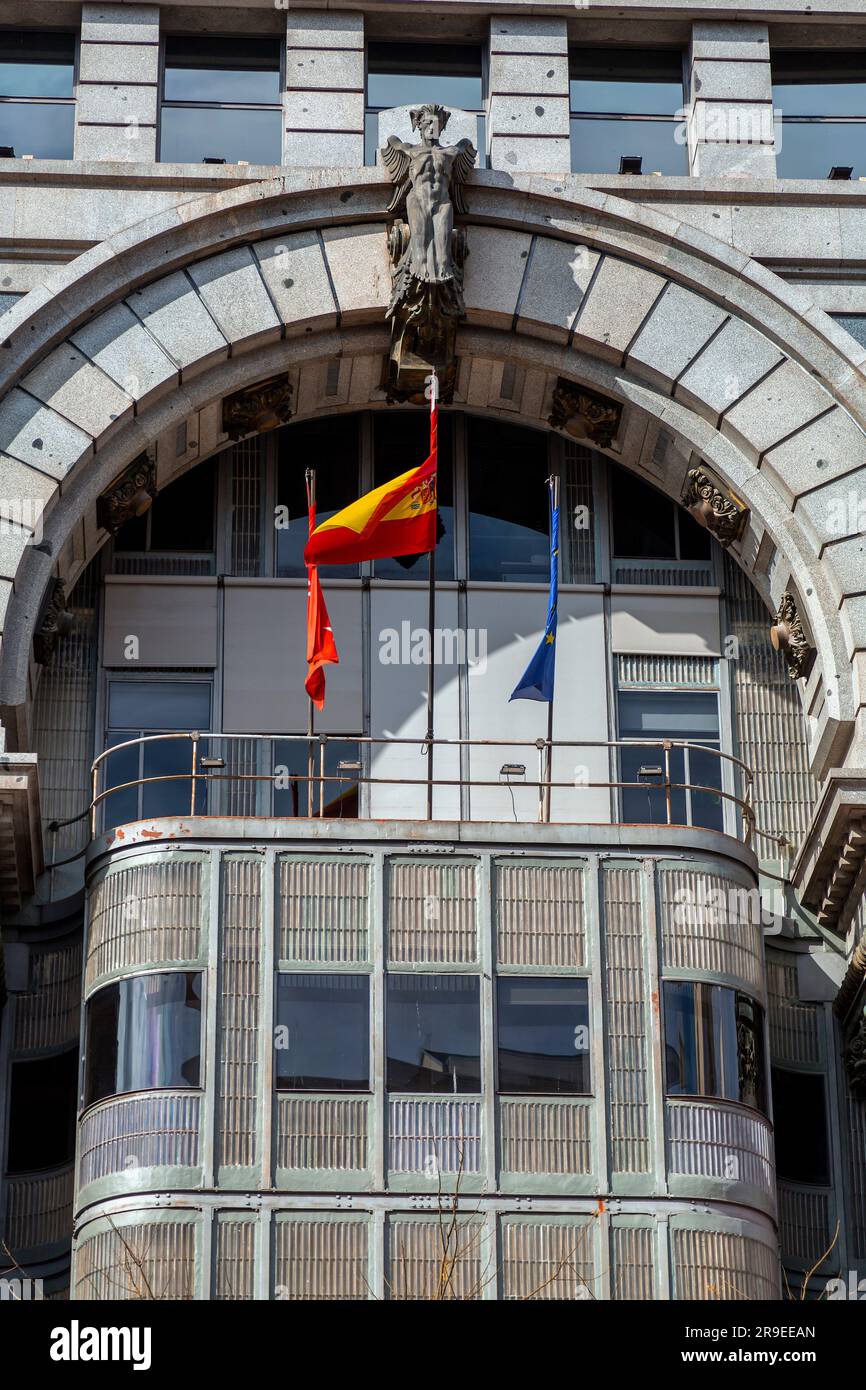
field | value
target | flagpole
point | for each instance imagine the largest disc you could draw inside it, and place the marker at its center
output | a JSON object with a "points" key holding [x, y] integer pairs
{"points": [[431, 608], [310, 477], [548, 773]]}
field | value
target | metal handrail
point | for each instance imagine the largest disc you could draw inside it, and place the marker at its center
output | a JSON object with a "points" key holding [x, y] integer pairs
{"points": [[545, 784]]}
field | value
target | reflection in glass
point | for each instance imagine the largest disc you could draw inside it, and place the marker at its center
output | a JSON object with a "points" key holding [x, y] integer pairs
{"points": [[409, 74], [714, 1043], [543, 1036], [508, 523], [597, 145], [331, 447], [433, 1033], [225, 101], [612, 93], [401, 440], [323, 1032], [142, 1034], [191, 134], [691, 716], [827, 92], [36, 63], [42, 129], [339, 790], [139, 708]]}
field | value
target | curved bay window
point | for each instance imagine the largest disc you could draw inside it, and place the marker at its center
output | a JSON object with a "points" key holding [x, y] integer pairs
{"points": [[143, 1034], [714, 1043]]}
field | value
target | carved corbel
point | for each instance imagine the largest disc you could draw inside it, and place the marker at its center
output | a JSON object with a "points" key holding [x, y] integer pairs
{"points": [[585, 414], [258, 408], [129, 495], [854, 1057], [788, 637], [714, 506], [56, 622]]}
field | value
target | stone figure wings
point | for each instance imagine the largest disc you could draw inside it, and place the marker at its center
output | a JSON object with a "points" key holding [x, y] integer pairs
{"points": [[397, 158]]}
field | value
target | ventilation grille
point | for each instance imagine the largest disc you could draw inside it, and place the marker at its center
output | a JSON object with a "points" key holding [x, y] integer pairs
{"points": [[545, 1137], [633, 1271], [710, 924], [154, 1131], [546, 1260], [794, 1025], [435, 1136], [690, 672], [317, 1133], [246, 476], [235, 1259], [711, 1265], [39, 1210], [319, 1259], [48, 1014], [577, 527], [148, 1260], [423, 1264], [804, 1224]]}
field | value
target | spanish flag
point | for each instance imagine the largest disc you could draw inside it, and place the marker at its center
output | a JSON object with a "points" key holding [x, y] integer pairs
{"points": [[398, 518], [321, 647]]}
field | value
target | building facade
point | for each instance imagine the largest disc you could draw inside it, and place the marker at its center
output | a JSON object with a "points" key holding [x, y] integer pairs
{"points": [[330, 1010]]}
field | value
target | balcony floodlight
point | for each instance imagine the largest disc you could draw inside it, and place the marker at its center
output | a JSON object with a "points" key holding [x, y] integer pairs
{"points": [[348, 766], [841, 171], [512, 770], [212, 762], [7, 151], [212, 159], [646, 772], [631, 163]]}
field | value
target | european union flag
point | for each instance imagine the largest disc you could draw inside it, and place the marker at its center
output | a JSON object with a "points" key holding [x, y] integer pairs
{"points": [[536, 683]]}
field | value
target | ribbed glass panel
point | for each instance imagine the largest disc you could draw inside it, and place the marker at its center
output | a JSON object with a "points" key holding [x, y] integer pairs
{"points": [[319, 1259], [713, 1141], [804, 1223], [238, 1038], [431, 912], [794, 1025], [148, 1260], [322, 1132], [711, 924], [235, 1259], [246, 475], [430, 1136], [710, 1265], [148, 1131], [545, 1137], [857, 1174], [771, 735], [144, 915], [63, 715], [324, 910], [540, 914], [686, 573], [48, 1014], [633, 1269], [39, 1209], [626, 1022], [177, 564], [661, 668], [544, 1260], [579, 555], [435, 1260]]}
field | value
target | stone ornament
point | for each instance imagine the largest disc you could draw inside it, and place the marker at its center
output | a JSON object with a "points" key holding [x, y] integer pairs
{"points": [[427, 254], [264, 406], [716, 508], [132, 494], [855, 1059], [788, 637], [56, 623], [585, 414]]}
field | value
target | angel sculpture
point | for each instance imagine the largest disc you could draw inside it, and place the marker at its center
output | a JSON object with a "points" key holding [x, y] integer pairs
{"points": [[426, 251]]}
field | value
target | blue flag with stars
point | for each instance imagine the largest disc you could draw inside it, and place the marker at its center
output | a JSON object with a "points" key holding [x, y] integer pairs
{"points": [[536, 683]]}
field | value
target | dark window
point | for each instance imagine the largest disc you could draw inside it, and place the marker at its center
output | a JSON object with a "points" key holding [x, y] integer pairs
{"points": [[690, 716], [402, 441], [433, 1033], [822, 100], [221, 100], [331, 447], [323, 1033], [37, 109], [42, 1104], [543, 1036], [143, 1034], [800, 1127], [714, 1043], [337, 792], [137, 708], [181, 518], [509, 525], [627, 103], [855, 324], [410, 74], [648, 525]]}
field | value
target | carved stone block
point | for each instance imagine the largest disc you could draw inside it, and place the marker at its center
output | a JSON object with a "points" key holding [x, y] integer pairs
{"points": [[264, 406], [129, 495], [714, 506], [585, 414]]}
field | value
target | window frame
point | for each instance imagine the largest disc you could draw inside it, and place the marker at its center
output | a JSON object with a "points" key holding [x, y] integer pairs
{"points": [[727, 806], [628, 118], [216, 105], [519, 974], [480, 112], [321, 970], [49, 101], [760, 1032], [815, 120]]}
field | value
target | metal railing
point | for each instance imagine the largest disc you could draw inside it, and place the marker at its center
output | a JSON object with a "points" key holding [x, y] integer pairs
{"points": [[207, 779]]}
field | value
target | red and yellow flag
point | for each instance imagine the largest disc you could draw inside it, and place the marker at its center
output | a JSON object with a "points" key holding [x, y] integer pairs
{"points": [[398, 518], [321, 647]]}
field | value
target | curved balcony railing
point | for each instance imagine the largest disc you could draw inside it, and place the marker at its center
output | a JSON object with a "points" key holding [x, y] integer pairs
{"points": [[657, 782]]}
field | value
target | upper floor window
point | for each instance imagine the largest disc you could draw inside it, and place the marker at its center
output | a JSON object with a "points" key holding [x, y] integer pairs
{"points": [[543, 1035], [137, 708], [37, 105], [648, 526], [714, 1043], [509, 526], [142, 1034], [800, 1127], [627, 105], [410, 74], [649, 717], [322, 1039], [180, 523], [820, 104], [42, 1112], [433, 1032], [331, 447], [221, 101]]}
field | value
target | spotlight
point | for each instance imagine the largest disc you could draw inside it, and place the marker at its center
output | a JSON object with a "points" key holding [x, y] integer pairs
{"points": [[840, 171], [631, 164]]}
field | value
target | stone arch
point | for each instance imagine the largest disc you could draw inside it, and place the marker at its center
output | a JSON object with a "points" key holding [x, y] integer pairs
{"points": [[731, 365]]}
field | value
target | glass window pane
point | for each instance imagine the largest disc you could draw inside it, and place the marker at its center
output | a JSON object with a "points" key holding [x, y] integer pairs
{"points": [[855, 324], [291, 769], [331, 447], [167, 758], [433, 1033], [323, 1033], [222, 70], [121, 767], [403, 74], [543, 1036], [751, 1061], [142, 1034], [683, 714], [36, 64], [42, 1105], [694, 538], [714, 1043], [647, 83], [44, 130], [800, 1127], [597, 145], [643, 518], [509, 526], [401, 440], [681, 1053], [646, 804], [807, 82], [158, 705], [809, 150], [189, 135], [182, 516]]}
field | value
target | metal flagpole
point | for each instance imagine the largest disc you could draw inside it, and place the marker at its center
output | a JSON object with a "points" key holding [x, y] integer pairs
{"points": [[431, 599], [310, 477], [548, 771]]}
